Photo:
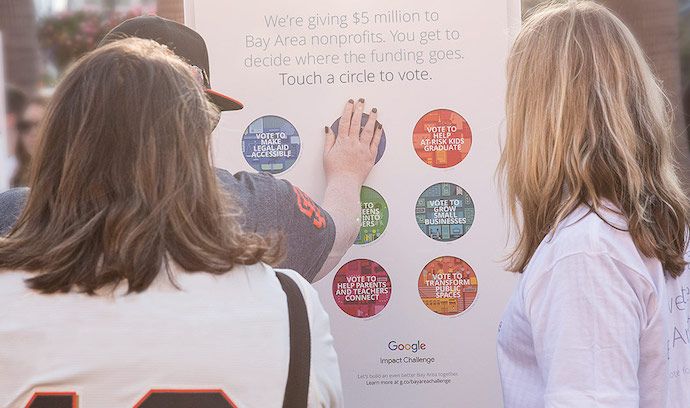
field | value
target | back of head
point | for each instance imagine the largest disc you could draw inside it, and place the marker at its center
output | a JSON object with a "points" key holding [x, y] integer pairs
{"points": [[587, 122], [123, 181]]}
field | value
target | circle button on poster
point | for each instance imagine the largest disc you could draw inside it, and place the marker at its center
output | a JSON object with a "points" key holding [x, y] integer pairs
{"points": [[448, 285], [365, 118], [445, 212], [442, 138], [374, 216], [361, 288], [271, 144]]}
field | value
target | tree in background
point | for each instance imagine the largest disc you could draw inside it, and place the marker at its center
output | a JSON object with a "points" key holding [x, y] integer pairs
{"points": [[65, 37], [18, 27]]}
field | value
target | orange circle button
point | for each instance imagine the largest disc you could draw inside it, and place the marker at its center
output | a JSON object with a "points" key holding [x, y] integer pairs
{"points": [[442, 138]]}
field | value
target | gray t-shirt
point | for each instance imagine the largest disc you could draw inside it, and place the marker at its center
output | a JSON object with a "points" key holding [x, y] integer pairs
{"points": [[268, 204]]}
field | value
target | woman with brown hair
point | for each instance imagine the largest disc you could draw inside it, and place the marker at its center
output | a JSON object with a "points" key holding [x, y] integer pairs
{"points": [[602, 219], [127, 279]]}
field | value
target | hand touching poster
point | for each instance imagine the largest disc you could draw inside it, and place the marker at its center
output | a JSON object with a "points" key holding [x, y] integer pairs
{"points": [[415, 304]]}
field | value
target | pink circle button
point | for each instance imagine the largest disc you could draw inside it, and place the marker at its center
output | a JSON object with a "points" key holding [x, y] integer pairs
{"points": [[361, 288]]}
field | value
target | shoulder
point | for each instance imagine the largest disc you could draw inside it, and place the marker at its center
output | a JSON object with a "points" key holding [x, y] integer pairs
{"points": [[594, 245], [262, 274], [13, 282], [15, 196], [249, 183], [249, 188], [246, 186], [14, 291], [308, 292], [586, 231], [315, 309], [11, 204]]}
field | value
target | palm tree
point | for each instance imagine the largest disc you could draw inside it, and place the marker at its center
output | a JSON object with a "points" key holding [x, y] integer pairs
{"points": [[19, 31], [655, 24]]}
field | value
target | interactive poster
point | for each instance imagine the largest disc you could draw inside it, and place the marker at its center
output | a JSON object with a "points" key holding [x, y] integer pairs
{"points": [[415, 304]]}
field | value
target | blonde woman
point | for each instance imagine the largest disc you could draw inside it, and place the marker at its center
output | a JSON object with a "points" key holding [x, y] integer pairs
{"points": [[128, 279], [602, 219]]}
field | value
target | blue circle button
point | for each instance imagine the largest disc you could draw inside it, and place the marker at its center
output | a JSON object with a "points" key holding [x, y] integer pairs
{"points": [[271, 144]]}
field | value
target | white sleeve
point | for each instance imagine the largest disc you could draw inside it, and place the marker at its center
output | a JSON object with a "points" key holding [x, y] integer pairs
{"points": [[325, 387], [587, 315]]}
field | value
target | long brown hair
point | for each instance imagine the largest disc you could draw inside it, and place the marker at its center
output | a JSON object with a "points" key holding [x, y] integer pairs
{"points": [[588, 122], [123, 182]]}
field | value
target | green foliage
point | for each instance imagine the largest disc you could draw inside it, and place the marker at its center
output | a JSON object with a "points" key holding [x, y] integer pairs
{"points": [[67, 36]]}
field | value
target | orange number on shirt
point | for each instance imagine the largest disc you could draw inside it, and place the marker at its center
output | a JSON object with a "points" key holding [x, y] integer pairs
{"points": [[153, 399], [53, 400], [308, 208]]}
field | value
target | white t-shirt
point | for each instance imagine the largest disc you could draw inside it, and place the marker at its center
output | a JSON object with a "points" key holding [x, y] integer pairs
{"points": [[586, 325], [678, 306], [227, 332]]}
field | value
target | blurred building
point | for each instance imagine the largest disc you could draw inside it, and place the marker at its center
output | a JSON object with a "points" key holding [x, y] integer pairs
{"points": [[118, 5], [20, 43]]}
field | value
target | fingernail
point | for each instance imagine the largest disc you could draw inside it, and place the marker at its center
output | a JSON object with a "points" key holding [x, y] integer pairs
{"points": [[361, 100], [373, 110], [325, 129], [350, 101]]}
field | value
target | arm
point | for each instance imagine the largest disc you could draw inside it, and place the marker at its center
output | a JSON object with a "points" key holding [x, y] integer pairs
{"points": [[341, 200], [348, 160], [588, 315]]}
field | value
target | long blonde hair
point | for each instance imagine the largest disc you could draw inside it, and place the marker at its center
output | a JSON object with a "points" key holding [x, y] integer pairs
{"points": [[123, 181], [587, 122]]}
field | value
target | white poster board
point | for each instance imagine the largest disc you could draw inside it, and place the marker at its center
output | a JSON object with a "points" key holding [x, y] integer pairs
{"points": [[5, 175], [423, 332]]}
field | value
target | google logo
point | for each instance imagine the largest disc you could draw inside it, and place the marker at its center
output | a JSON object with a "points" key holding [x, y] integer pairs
{"points": [[414, 347]]}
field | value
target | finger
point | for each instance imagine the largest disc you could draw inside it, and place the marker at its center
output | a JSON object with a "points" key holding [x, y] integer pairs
{"points": [[345, 118], [330, 140], [369, 128], [374, 147], [356, 124]]}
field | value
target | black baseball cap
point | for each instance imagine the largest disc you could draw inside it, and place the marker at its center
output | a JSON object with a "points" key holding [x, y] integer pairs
{"points": [[180, 39]]}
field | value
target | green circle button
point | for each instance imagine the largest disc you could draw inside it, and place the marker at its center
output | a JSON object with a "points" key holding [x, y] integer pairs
{"points": [[374, 216]]}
